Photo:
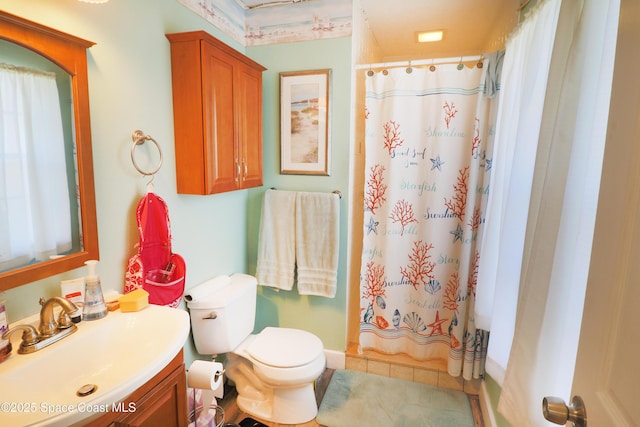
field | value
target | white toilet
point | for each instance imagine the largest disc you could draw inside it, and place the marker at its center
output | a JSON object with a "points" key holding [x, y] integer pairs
{"points": [[275, 370]]}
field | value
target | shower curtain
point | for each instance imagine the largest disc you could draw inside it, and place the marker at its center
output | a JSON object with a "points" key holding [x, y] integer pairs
{"points": [[428, 144]]}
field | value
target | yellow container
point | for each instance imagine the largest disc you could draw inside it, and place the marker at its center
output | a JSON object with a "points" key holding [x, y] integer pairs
{"points": [[134, 300]]}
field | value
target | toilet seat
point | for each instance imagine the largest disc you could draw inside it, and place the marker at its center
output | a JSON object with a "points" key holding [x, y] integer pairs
{"points": [[278, 347], [285, 347]]}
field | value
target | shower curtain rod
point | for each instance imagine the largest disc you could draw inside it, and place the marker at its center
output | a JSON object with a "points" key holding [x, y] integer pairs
{"points": [[420, 62]]}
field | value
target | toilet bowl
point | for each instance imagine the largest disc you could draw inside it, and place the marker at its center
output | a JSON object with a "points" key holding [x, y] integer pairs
{"points": [[274, 371]]}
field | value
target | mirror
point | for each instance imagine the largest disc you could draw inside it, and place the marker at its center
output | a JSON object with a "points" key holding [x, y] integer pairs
{"points": [[69, 54]]}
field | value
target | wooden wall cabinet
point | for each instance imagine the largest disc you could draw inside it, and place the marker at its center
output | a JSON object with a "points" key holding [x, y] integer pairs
{"points": [[162, 401], [217, 110]]}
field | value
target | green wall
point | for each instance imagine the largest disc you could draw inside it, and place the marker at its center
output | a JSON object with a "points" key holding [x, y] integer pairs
{"points": [[130, 88], [322, 316]]}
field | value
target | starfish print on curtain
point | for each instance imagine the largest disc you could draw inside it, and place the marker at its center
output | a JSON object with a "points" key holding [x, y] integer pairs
{"points": [[426, 183]]}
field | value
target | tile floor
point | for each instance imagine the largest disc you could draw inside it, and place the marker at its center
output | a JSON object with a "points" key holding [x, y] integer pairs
{"points": [[406, 368]]}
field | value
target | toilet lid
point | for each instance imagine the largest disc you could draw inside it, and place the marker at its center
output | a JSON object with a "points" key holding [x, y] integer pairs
{"points": [[285, 348]]}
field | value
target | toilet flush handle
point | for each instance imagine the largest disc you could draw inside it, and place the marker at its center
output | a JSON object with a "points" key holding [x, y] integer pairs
{"points": [[212, 315]]}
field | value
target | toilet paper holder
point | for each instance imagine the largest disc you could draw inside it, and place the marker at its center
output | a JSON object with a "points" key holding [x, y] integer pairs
{"points": [[206, 375]]}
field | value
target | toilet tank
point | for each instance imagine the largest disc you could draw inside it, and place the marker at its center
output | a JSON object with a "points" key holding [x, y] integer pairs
{"points": [[222, 316]]}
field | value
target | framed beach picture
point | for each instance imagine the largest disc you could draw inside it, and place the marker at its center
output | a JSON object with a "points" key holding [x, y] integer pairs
{"points": [[304, 122]]}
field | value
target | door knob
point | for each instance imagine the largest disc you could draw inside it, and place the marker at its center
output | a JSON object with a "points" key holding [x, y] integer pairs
{"points": [[556, 411]]}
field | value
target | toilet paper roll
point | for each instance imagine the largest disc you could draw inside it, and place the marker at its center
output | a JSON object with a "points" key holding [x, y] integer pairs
{"points": [[205, 375], [203, 290]]}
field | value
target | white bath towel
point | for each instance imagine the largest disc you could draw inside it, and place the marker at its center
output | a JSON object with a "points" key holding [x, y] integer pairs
{"points": [[317, 241], [276, 242]]}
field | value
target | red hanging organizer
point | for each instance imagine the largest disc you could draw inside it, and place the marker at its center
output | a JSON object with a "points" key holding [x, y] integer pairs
{"points": [[155, 268]]}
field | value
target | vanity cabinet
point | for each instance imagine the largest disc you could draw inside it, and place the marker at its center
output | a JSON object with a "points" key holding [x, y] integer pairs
{"points": [[162, 401], [217, 110]]}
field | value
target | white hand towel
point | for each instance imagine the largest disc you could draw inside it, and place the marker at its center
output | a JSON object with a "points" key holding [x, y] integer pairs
{"points": [[317, 243], [276, 242]]}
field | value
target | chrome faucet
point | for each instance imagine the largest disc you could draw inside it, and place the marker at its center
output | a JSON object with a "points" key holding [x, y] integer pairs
{"points": [[49, 330]]}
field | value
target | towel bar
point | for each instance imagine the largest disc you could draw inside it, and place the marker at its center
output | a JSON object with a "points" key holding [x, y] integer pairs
{"points": [[338, 192]]}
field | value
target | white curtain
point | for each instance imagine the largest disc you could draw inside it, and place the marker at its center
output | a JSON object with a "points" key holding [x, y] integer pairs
{"points": [[562, 210], [524, 81], [33, 177], [428, 135]]}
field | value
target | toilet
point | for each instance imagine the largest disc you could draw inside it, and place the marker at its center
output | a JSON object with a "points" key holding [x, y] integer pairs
{"points": [[275, 370]]}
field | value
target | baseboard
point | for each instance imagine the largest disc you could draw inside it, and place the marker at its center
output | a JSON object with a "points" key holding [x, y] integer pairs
{"points": [[335, 359], [486, 407]]}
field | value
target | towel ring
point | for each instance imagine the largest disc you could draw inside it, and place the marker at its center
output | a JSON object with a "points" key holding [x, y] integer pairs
{"points": [[139, 138]]}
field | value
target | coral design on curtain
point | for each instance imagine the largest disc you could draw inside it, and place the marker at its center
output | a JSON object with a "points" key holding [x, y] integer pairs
{"points": [[428, 141]]}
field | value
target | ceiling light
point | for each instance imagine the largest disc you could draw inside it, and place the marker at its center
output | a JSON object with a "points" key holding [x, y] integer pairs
{"points": [[430, 36]]}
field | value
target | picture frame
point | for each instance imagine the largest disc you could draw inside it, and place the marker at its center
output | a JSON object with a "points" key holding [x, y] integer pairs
{"points": [[304, 122]]}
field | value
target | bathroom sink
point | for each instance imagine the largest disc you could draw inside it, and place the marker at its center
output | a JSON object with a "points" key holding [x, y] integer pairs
{"points": [[115, 355]]}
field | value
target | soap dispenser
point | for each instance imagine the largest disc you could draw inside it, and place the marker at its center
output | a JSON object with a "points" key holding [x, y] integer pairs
{"points": [[94, 306]]}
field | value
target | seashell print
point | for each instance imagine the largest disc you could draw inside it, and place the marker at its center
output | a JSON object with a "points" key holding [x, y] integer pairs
{"points": [[455, 342], [468, 339], [381, 322], [380, 302], [368, 315], [454, 323], [414, 321], [479, 341], [432, 286], [396, 319]]}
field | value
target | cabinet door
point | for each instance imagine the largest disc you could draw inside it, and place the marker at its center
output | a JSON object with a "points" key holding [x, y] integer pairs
{"points": [[222, 163], [217, 102], [249, 114], [165, 405], [161, 401]]}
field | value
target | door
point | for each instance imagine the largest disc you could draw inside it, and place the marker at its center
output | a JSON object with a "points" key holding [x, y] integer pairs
{"points": [[607, 374]]}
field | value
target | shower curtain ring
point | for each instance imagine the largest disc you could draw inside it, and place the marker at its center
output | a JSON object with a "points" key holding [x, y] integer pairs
{"points": [[370, 72]]}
